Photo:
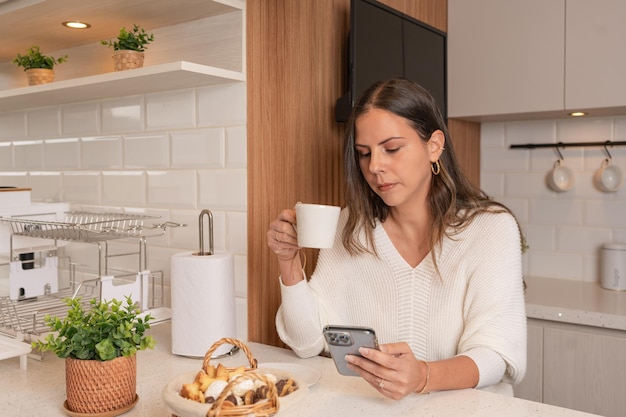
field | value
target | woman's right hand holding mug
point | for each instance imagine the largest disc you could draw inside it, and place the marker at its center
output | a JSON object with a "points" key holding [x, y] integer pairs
{"points": [[282, 238]]}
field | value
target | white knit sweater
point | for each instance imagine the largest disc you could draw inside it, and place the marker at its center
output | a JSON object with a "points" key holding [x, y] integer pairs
{"points": [[475, 308]]}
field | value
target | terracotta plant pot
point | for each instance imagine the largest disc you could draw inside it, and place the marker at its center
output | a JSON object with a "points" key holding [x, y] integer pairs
{"points": [[124, 60], [39, 76], [100, 386]]}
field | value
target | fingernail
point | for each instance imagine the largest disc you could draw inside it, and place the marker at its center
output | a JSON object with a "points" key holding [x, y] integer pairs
{"points": [[364, 351]]}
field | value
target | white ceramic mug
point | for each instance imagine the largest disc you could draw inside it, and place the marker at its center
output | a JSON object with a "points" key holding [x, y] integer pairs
{"points": [[316, 225], [560, 178], [608, 177]]}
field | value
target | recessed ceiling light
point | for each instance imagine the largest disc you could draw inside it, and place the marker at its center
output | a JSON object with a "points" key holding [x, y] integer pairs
{"points": [[76, 25], [578, 114]]}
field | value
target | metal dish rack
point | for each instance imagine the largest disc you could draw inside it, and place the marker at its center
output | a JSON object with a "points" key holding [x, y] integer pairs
{"points": [[22, 314]]}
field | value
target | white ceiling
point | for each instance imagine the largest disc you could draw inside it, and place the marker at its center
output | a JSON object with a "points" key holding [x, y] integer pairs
{"points": [[39, 22]]}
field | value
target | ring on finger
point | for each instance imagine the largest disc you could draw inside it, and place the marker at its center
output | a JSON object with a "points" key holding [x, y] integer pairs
{"points": [[381, 384], [276, 236]]}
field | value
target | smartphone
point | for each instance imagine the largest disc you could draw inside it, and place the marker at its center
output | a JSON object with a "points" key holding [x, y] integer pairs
{"points": [[346, 340]]}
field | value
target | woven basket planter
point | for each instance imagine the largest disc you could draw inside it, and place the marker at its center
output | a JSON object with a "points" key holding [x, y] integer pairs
{"points": [[39, 76], [124, 60], [100, 386]]}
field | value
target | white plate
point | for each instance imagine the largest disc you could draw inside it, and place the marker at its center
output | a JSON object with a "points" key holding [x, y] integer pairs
{"points": [[187, 408], [306, 374]]}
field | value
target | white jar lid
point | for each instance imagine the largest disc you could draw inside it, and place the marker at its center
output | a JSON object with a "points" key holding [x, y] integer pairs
{"points": [[614, 246]]}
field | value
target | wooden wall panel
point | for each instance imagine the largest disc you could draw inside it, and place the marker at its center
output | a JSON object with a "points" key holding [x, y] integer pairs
{"points": [[465, 138], [296, 57]]}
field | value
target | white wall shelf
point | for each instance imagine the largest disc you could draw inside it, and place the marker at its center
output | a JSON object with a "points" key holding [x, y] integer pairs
{"points": [[150, 79]]}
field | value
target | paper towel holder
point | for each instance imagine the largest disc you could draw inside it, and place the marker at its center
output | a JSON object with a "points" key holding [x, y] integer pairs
{"points": [[201, 252]]}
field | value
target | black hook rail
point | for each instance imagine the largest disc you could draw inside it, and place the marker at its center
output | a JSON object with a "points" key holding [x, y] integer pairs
{"points": [[558, 145], [567, 145]]}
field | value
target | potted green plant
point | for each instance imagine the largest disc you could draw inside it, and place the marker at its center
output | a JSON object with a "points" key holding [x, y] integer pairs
{"points": [[129, 47], [99, 342], [39, 68]]}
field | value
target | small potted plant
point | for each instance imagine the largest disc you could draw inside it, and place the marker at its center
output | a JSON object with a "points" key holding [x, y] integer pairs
{"points": [[128, 49], [98, 343], [39, 68]]}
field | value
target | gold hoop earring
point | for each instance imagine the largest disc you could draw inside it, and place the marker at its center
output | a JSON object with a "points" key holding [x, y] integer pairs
{"points": [[435, 167]]}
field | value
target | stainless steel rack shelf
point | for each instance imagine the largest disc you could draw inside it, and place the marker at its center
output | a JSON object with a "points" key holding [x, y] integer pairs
{"points": [[87, 227]]}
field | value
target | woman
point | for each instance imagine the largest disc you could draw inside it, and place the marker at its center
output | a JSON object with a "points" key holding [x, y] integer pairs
{"points": [[421, 256]]}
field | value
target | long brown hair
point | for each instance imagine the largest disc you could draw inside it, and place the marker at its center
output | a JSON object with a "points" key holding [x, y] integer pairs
{"points": [[453, 199]]}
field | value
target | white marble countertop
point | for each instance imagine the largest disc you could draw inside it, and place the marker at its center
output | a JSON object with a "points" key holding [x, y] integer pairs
{"points": [[576, 302], [40, 390]]}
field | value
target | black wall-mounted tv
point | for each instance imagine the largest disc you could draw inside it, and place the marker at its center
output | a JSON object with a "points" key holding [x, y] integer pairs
{"points": [[385, 43]]}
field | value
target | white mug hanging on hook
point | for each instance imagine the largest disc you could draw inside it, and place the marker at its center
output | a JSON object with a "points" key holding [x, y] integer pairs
{"points": [[608, 178], [560, 178]]}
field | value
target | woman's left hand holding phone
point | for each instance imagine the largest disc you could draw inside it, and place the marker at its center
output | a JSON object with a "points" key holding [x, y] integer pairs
{"points": [[393, 370], [282, 239]]}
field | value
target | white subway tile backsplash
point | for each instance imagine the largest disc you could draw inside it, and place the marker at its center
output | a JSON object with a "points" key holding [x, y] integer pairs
{"points": [[543, 160], [198, 148], [28, 155], [142, 154], [530, 132], [81, 118], [82, 187], [173, 109], [584, 129], [540, 238], [6, 155], [124, 114], [564, 230], [591, 268], [553, 211], [555, 265], [43, 122], [14, 179], [223, 189], [492, 183], [526, 184], [62, 153], [124, 188], [619, 234], [188, 237], [102, 152], [241, 276], [581, 239], [12, 125], [147, 151], [519, 207], [492, 135], [222, 105], [503, 160], [619, 129], [605, 213], [236, 147], [46, 187], [236, 232], [172, 189], [241, 313]]}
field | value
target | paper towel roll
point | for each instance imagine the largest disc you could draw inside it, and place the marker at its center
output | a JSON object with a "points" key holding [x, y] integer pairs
{"points": [[203, 302]]}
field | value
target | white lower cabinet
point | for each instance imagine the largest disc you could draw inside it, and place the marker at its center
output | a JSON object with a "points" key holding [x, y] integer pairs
{"points": [[531, 387], [577, 367]]}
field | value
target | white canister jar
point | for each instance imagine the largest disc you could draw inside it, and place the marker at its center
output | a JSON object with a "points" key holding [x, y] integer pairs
{"points": [[613, 266]]}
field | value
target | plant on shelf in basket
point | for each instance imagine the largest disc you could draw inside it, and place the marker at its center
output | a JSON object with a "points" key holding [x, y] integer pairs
{"points": [[98, 344], [128, 49], [39, 68]]}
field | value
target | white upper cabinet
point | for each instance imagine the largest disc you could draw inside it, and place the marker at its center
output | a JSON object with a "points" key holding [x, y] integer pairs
{"points": [[512, 59], [505, 57], [595, 55]]}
